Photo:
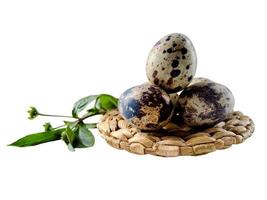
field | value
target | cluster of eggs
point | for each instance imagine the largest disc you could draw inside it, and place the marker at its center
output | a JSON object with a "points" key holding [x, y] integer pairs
{"points": [[173, 90]]}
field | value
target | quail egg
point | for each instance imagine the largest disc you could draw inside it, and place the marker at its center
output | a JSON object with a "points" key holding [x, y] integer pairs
{"points": [[146, 107], [199, 79], [172, 63], [205, 103], [174, 98]]}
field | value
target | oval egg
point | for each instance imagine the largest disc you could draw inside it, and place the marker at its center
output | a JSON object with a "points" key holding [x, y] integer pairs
{"points": [[172, 63], [146, 107], [205, 103]]}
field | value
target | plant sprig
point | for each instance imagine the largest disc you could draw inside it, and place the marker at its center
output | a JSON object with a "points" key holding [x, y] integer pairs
{"points": [[75, 133]]}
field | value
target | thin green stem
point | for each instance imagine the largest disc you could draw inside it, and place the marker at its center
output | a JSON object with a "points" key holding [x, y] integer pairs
{"points": [[90, 114], [92, 125], [87, 115], [47, 115], [60, 126]]}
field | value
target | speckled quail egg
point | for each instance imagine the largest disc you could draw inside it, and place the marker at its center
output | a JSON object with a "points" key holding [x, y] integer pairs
{"points": [[172, 63], [174, 98], [199, 79], [146, 107], [205, 103]]}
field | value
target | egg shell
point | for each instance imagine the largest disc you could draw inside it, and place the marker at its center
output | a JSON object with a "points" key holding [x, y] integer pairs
{"points": [[146, 107], [172, 63], [205, 103], [200, 79], [174, 98]]}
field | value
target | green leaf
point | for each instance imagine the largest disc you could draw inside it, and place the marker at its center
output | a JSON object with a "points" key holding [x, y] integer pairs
{"points": [[92, 112], [106, 102], [70, 137], [70, 124], [65, 138], [85, 137], [81, 104], [38, 138], [70, 147], [91, 125]]}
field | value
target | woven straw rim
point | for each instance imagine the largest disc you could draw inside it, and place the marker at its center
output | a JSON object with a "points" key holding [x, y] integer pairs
{"points": [[175, 140]]}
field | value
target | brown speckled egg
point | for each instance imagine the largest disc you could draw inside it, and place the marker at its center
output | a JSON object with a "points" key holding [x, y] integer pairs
{"points": [[205, 103], [146, 107], [174, 98], [172, 63], [199, 79]]}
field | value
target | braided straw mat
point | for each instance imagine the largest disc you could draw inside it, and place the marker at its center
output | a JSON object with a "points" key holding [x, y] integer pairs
{"points": [[174, 140]]}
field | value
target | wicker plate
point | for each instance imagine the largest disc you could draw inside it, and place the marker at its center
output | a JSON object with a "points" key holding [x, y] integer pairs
{"points": [[173, 139]]}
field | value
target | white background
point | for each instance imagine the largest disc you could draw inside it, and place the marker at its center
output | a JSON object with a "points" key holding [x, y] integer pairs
{"points": [[54, 52]]}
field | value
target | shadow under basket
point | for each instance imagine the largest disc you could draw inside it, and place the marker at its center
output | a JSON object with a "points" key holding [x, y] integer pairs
{"points": [[175, 140]]}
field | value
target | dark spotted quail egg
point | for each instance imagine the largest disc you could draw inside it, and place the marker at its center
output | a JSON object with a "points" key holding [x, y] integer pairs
{"points": [[199, 79], [146, 107], [174, 98], [172, 63], [205, 103]]}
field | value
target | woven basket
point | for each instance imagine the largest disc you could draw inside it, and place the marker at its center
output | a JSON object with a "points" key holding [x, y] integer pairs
{"points": [[174, 140]]}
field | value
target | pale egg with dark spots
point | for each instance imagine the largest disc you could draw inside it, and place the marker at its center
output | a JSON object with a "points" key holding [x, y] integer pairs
{"points": [[199, 79], [205, 103], [174, 98], [146, 107], [172, 63]]}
